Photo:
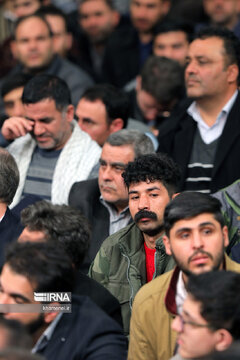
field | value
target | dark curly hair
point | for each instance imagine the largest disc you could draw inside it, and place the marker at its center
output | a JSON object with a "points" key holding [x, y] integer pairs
{"points": [[152, 167], [60, 223]]}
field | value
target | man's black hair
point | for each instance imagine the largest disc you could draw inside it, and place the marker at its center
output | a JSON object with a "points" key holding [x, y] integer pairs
{"points": [[60, 224], [115, 100], [45, 86], [54, 11], [21, 19], [46, 266], [218, 293], [9, 177], [166, 26], [109, 3], [153, 167], [231, 43], [14, 81], [163, 78], [189, 204]]}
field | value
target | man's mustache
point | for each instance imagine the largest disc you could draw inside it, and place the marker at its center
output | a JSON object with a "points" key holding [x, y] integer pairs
{"points": [[144, 214], [197, 252]]}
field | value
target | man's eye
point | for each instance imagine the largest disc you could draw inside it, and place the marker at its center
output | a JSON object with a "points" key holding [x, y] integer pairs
{"points": [[184, 235]]}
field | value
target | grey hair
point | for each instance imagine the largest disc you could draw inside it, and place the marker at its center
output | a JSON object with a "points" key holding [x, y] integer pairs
{"points": [[9, 177], [140, 142]]}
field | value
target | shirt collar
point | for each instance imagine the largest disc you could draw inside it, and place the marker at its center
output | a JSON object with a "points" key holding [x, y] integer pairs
{"points": [[47, 334], [193, 110], [111, 208]]}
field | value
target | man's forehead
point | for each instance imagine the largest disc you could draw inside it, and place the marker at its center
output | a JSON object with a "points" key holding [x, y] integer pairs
{"points": [[121, 153], [146, 185], [175, 35], [39, 26], [208, 46], [195, 222]]}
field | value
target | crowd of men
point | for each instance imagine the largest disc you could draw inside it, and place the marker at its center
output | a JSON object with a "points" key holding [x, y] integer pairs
{"points": [[119, 183]]}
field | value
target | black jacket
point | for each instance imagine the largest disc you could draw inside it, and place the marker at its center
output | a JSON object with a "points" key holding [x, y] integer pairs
{"points": [[85, 334], [84, 285], [84, 195], [10, 229], [177, 141]]}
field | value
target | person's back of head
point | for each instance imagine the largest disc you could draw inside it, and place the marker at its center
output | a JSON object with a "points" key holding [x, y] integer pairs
{"points": [[162, 78], [59, 224], [45, 265], [9, 177], [218, 293]]}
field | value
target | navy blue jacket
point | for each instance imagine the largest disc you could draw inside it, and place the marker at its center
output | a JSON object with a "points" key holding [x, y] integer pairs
{"points": [[86, 334]]}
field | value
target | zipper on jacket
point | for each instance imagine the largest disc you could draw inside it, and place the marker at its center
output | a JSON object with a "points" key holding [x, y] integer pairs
{"points": [[131, 296]]}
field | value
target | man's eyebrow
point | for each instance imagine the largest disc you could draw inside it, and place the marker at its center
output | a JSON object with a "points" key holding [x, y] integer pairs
{"points": [[153, 188], [206, 223], [186, 313], [113, 163], [88, 119], [20, 296]]}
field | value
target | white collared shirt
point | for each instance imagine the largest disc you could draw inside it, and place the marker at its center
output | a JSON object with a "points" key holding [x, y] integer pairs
{"points": [[181, 293], [117, 221], [211, 133]]}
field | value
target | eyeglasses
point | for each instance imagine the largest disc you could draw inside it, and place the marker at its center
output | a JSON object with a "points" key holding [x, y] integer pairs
{"points": [[191, 323]]}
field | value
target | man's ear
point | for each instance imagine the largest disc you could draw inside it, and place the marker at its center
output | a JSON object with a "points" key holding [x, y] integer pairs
{"points": [[70, 113], [49, 317], [116, 125], [223, 339], [166, 243], [225, 236], [174, 195], [138, 83]]}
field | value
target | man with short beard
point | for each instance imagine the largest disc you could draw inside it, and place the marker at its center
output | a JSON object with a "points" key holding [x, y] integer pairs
{"points": [[97, 19], [86, 332], [196, 238], [135, 254]]}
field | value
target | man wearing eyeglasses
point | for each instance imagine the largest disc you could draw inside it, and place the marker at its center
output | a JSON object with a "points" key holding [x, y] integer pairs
{"points": [[196, 237], [210, 319]]}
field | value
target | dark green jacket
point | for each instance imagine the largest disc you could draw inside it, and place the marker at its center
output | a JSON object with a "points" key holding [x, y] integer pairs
{"points": [[120, 266]]}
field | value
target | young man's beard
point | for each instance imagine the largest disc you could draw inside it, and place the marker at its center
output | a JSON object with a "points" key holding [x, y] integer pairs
{"points": [[36, 324]]}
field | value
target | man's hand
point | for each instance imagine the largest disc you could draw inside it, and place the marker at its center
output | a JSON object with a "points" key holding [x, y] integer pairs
{"points": [[15, 127]]}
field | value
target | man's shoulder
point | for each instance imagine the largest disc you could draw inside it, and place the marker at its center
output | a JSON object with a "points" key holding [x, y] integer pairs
{"points": [[84, 192], [90, 186], [68, 68], [232, 265], [128, 231], [153, 291]]}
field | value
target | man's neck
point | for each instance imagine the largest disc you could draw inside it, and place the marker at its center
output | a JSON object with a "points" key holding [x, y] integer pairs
{"points": [[151, 240], [210, 107], [145, 37], [230, 24], [3, 209]]}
